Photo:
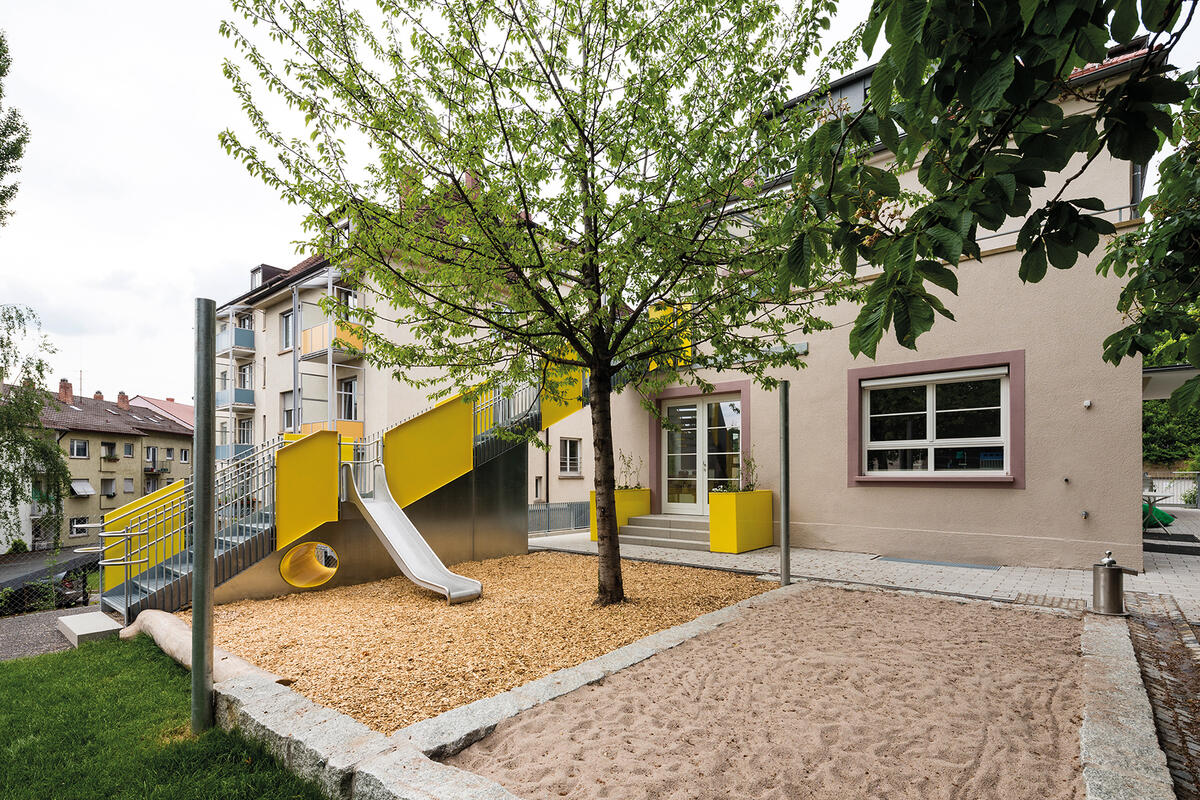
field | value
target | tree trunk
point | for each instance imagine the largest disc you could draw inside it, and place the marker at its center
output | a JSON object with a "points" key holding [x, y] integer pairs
{"points": [[611, 590]]}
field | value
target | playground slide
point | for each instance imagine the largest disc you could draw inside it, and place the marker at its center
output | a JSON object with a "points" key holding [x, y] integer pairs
{"points": [[404, 542]]}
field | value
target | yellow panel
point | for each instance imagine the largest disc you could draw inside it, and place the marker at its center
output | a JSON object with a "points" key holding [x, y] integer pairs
{"points": [[162, 527], [429, 451], [306, 486], [351, 429], [630, 503], [349, 334], [740, 521], [555, 411]]}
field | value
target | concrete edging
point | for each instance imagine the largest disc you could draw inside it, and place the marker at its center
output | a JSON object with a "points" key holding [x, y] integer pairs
{"points": [[1118, 745]]}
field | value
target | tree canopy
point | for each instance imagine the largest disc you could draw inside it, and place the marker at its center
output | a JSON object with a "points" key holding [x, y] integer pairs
{"points": [[970, 97], [14, 135], [539, 187]]}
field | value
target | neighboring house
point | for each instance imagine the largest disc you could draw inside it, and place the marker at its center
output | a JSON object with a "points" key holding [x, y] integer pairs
{"points": [[182, 413], [279, 370], [1004, 439], [116, 452]]}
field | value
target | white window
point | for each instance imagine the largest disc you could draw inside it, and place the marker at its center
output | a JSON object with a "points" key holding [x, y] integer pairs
{"points": [[152, 454], [346, 297], [129, 449], [129, 486], [170, 454], [108, 487], [108, 450], [286, 412], [151, 484], [245, 430], [537, 487], [245, 321], [348, 399], [937, 424], [285, 330], [184, 455], [75, 528], [568, 456], [245, 376], [79, 448]]}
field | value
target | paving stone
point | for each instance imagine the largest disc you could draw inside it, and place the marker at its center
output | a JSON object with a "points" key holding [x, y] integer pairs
{"points": [[1102, 784], [406, 774]]}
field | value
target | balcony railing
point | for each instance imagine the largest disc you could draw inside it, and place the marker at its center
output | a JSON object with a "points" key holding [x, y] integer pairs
{"points": [[236, 339], [224, 452], [317, 339], [239, 397], [157, 467]]}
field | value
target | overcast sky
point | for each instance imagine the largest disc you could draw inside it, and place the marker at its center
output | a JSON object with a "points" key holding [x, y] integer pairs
{"points": [[128, 208]]}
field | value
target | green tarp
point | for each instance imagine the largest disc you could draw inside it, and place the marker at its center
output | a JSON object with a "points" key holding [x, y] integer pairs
{"points": [[1160, 517]]}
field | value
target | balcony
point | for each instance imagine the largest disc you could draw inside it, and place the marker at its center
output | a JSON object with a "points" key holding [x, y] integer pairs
{"points": [[349, 428], [238, 340], [315, 340], [224, 452], [240, 398], [156, 467]]}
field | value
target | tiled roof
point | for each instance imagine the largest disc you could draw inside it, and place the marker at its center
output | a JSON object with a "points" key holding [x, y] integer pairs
{"points": [[279, 281], [103, 416], [181, 412]]}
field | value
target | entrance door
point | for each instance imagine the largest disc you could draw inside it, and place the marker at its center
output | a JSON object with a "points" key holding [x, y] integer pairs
{"points": [[702, 443]]}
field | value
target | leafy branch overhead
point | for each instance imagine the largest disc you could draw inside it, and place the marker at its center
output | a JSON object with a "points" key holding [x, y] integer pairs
{"points": [[979, 103], [14, 135]]}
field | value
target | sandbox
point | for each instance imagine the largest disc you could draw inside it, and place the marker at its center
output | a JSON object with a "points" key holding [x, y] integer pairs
{"points": [[390, 654], [824, 693]]}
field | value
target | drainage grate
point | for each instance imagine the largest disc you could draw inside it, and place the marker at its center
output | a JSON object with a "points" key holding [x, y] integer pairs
{"points": [[935, 563]]}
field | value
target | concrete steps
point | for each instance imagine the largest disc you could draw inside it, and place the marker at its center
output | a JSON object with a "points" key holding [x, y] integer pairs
{"points": [[667, 530]]}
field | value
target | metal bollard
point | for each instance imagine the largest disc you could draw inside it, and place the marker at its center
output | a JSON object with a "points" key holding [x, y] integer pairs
{"points": [[1108, 586]]}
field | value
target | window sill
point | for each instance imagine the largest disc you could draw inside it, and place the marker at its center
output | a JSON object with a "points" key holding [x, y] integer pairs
{"points": [[933, 480], [570, 476]]}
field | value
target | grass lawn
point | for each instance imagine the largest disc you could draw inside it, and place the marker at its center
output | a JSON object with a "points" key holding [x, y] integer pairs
{"points": [[110, 720]]}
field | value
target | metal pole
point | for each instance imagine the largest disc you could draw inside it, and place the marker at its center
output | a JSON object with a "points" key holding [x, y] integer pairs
{"points": [[203, 535], [785, 480]]}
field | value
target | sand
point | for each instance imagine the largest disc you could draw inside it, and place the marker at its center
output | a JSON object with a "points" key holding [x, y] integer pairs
{"points": [[827, 694], [389, 653]]}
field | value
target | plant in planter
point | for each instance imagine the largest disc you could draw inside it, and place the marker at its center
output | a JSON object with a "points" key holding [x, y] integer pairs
{"points": [[632, 499], [740, 515], [629, 473]]}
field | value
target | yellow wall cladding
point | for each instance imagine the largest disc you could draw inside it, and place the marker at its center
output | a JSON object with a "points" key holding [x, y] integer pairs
{"points": [[306, 486], [427, 452]]}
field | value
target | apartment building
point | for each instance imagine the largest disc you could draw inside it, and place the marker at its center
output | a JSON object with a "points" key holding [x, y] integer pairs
{"points": [[280, 368], [116, 452]]}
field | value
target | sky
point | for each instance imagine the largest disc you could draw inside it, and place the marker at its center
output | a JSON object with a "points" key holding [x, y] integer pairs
{"points": [[129, 209]]}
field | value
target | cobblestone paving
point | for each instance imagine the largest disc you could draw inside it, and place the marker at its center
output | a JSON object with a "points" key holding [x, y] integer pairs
{"points": [[1169, 657]]}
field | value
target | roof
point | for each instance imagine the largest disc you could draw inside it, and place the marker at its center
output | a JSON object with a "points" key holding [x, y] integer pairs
{"points": [[309, 265], [180, 412], [103, 416]]}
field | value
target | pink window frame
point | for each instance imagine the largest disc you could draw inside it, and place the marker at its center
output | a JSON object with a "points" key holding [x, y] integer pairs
{"points": [[1013, 359], [740, 388]]}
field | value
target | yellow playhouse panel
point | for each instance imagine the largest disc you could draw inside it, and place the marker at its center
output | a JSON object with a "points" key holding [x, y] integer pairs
{"points": [[306, 485], [429, 451]]}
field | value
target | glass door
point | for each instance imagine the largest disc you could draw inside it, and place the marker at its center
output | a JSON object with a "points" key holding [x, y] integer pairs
{"points": [[702, 448]]}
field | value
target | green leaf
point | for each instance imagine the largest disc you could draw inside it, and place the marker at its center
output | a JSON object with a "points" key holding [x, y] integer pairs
{"points": [[1090, 203], [882, 81], [939, 275], [988, 90], [1125, 20], [1033, 264], [1186, 396], [871, 28], [797, 264], [1061, 255], [949, 243], [1028, 9]]}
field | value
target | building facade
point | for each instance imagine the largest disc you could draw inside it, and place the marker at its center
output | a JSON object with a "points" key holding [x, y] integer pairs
{"points": [[1004, 439], [116, 452]]}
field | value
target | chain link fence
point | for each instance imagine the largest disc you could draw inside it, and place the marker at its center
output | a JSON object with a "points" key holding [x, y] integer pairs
{"points": [[44, 580]]}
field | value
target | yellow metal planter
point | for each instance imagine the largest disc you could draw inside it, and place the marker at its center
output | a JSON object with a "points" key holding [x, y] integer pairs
{"points": [[630, 503], [740, 521]]}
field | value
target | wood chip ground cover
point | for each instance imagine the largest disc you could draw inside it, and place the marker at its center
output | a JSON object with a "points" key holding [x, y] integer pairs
{"points": [[390, 654]]}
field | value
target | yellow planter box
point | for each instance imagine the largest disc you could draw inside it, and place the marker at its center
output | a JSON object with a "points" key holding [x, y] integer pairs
{"points": [[740, 521], [630, 503]]}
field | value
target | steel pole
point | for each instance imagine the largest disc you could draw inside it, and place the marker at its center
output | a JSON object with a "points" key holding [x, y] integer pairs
{"points": [[203, 533], [785, 485]]}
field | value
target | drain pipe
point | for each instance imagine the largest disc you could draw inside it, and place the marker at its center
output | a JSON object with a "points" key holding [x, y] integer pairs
{"points": [[202, 517], [785, 480]]}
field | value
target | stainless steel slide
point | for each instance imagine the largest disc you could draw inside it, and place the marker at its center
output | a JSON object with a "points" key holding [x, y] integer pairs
{"points": [[403, 541]]}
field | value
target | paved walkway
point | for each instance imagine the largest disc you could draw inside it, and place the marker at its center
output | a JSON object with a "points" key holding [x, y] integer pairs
{"points": [[1174, 575], [33, 634]]}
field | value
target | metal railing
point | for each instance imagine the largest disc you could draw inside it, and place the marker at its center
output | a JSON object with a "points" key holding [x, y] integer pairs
{"points": [[244, 492], [547, 517], [494, 413], [1182, 487]]}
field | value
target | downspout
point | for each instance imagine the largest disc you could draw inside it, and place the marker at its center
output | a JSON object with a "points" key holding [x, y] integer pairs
{"points": [[330, 408], [295, 359], [232, 388], [547, 466]]}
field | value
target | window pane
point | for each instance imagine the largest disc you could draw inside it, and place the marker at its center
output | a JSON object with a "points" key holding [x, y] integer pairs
{"points": [[968, 394], [898, 400], [681, 441], [897, 460], [968, 424], [904, 427], [681, 466], [681, 491], [724, 467], [724, 440], [968, 458], [725, 415]]}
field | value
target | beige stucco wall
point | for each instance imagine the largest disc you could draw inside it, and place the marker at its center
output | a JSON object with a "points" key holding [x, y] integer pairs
{"points": [[563, 488], [1077, 459]]}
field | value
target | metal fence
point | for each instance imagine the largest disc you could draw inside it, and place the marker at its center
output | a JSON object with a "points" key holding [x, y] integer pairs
{"points": [[1181, 487], [547, 517], [59, 580]]}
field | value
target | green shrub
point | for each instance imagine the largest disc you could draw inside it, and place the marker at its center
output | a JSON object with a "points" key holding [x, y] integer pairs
{"points": [[18, 546], [1167, 437]]}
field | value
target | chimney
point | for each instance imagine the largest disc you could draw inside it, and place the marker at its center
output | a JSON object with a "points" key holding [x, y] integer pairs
{"points": [[98, 395], [170, 399], [122, 401], [65, 394]]}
